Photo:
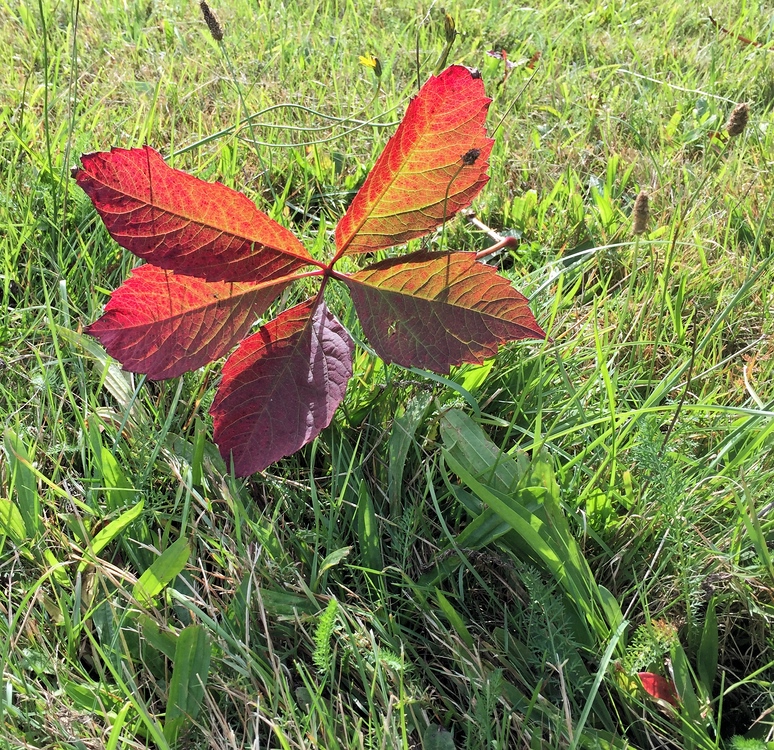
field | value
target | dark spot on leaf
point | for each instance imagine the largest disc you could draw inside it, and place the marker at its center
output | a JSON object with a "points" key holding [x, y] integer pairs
{"points": [[470, 157]]}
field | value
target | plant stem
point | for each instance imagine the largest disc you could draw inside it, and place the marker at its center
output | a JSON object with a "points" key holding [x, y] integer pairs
{"points": [[501, 245]]}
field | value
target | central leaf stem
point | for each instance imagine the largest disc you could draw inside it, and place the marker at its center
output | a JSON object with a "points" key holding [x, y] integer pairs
{"points": [[327, 272]]}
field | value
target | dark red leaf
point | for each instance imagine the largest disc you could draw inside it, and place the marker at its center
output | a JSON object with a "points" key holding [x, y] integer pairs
{"points": [[420, 179], [281, 387], [164, 324], [659, 687], [182, 223], [434, 310]]}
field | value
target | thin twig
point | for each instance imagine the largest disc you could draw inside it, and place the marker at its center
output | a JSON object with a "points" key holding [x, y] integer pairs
{"points": [[478, 224], [500, 241], [501, 245], [738, 37]]}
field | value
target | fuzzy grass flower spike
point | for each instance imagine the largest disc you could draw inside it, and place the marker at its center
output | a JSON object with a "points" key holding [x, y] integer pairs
{"points": [[737, 120]]}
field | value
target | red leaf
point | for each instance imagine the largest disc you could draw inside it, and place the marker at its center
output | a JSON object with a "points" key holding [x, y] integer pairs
{"points": [[182, 223], [281, 387], [164, 324], [216, 262], [434, 310], [534, 60], [502, 55], [659, 687], [420, 179]]}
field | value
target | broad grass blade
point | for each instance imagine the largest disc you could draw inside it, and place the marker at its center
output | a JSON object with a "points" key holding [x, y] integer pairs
{"points": [[22, 478], [690, 711], [11, 522], [162, 572], [526, 498], [163, 641], [110, 532], [118, 490], [401, 436], [189, 676], [454, 618], [331, 561], [754, 529], [707, 656], [437, 738], [368, 530], [118, 383]]}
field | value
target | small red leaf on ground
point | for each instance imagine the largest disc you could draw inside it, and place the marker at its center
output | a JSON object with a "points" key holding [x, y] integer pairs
{"points": [[533, 61], [179, 222], [502, 55], [281, 387], [420, 179], [659, 687], [434, 310], [164, 324]]}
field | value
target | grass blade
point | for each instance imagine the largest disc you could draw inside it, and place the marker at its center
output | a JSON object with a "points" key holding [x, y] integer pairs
{"points": [[707, 656], [189, 676], [162, 572], [110, 532], [23, 480], [368, 530]]}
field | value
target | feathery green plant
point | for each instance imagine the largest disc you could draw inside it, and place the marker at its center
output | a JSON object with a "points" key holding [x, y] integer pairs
{"points": [[321, 656]]}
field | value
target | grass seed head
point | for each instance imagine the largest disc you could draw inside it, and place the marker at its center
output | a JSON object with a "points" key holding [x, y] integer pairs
{"points": [[212, 23], [641, 213], [737, 121]]}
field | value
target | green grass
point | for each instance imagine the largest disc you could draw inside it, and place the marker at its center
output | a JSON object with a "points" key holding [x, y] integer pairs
{"points": [[485, 562]]}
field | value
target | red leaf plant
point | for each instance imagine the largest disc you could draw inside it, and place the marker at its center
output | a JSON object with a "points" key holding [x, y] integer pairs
{"points": [[659, 688], [215, 263]]}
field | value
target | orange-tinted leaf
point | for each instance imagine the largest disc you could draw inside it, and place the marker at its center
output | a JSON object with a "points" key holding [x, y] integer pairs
{"points": [[164, 324], [434, 310], [432, 167], [281, 387], [179, 222], [659, 687]]}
